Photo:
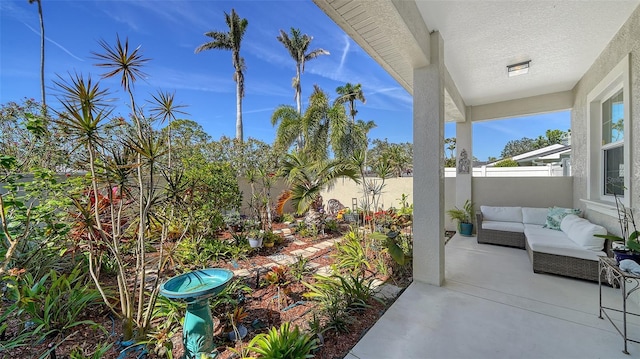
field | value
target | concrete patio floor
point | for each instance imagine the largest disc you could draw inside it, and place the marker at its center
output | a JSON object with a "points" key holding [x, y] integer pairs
{"points": [[493, 306]]}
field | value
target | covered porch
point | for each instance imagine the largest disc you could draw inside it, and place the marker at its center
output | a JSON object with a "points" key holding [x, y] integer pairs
{"points": [[492, 305]]}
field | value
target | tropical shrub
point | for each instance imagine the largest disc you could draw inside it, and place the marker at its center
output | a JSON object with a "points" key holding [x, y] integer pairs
{"points": [[287, 217], [166, 321], [339, 297], [230, 297], [34, 224], [283, 343], [209, 187], [200, 252], [507, 162], [350, 254], [331, 225], [53, 303], [299, 268]]}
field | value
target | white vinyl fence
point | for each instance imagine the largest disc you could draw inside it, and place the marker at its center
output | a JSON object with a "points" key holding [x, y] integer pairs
{"points": [[550, 170]]}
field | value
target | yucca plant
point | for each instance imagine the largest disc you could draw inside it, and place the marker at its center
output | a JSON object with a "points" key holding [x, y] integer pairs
{"points": [[283, 343]]}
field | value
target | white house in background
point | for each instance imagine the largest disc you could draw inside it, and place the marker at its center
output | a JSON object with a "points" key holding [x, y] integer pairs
{"points": [[552, 154], [458, 60]]}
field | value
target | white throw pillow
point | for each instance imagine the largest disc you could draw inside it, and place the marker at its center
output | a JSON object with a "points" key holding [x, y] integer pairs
{"points": [[534, 215], [501, 214], [582, 232]]}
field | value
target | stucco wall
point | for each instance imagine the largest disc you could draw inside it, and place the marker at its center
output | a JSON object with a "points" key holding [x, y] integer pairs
{"points": [[278, 187], [523, 192], [626, 41], [503, 191], [345, 190]]}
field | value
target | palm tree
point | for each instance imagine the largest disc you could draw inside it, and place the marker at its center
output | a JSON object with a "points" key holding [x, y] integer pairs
{"points": [[44, 101], [308, 177], [231, 41], [350, 93], [352, 139], [297, 46], [320, 128]]}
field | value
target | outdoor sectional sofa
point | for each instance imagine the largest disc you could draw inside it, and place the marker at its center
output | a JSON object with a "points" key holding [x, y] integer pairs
{"points": [[570, 250]]}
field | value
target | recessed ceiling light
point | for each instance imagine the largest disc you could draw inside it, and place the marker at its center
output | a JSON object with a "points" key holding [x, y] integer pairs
{"points": [[520, 68]]}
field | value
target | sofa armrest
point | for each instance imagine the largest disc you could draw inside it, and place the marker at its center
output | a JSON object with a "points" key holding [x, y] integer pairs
{"points": [[479, 219]]}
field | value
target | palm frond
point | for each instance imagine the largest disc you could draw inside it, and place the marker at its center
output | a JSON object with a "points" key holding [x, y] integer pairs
{"points": [[119, 60], [165, 107]]}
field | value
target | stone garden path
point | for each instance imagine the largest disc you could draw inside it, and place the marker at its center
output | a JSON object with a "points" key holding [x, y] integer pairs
{"points": [[383, 290]]}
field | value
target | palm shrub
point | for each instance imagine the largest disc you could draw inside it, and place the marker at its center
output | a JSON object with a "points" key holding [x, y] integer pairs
{"points": [[308, 177], [283, 343]]}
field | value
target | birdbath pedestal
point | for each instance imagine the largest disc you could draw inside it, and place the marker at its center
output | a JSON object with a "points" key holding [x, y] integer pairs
{"points": [[195, 288]]}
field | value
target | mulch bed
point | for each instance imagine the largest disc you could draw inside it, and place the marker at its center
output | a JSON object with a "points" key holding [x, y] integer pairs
{"points": [[264, 305]]}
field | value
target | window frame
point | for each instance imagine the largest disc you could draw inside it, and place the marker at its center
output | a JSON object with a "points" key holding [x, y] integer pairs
{"points": [[612, 145], [618, 78]]}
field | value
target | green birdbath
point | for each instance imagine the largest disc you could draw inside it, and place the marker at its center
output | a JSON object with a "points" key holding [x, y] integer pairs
{"points": [[195, 288]]}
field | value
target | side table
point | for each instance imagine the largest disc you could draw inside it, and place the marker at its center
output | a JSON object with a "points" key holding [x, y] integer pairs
{"points": [[618, 278]]}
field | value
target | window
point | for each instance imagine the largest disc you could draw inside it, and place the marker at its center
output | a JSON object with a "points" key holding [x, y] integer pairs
{"points": [[608, 132], [613, 145]]}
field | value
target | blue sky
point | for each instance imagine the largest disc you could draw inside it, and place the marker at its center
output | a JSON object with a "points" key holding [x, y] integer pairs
{"points": [[169, 31]]}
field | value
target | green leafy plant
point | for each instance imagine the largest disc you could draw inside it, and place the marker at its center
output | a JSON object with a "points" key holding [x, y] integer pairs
{"points": [[230, 297], [339, 296], [399, 249], [55, 302], [283, 343], [288, 217], [350, 254], [166, 321], [20, 339], [99, 352], [273, 237], [331, 225], [300, 267], [233, 220], [464, 215], [629, 234]]}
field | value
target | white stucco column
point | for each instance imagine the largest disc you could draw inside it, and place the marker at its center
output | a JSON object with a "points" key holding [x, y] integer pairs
{"points": [[428, 161], [464, 134]]}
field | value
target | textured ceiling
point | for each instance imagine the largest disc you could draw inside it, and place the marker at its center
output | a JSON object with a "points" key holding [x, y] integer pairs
{"points": [[481, 37], [561, 38]]}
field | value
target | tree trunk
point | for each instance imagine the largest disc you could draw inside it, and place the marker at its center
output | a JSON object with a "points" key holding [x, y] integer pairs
{"points": [[298, 104], [239, 134], [44, 100]]}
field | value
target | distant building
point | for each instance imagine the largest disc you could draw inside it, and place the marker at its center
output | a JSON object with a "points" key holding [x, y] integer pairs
{"points": [[542, 156]]}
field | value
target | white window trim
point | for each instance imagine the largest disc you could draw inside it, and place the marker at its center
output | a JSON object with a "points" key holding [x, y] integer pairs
{"points": [[618, 77]]}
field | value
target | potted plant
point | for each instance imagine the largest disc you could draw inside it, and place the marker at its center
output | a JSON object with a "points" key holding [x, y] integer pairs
{"points": [[627, 245], [234, 221], [255, 238], [268, 241], [464, 217]]}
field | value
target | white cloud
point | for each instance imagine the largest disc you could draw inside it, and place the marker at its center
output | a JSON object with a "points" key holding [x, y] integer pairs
{"points": [[170, 79], [345, 51], [53, 42]]}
